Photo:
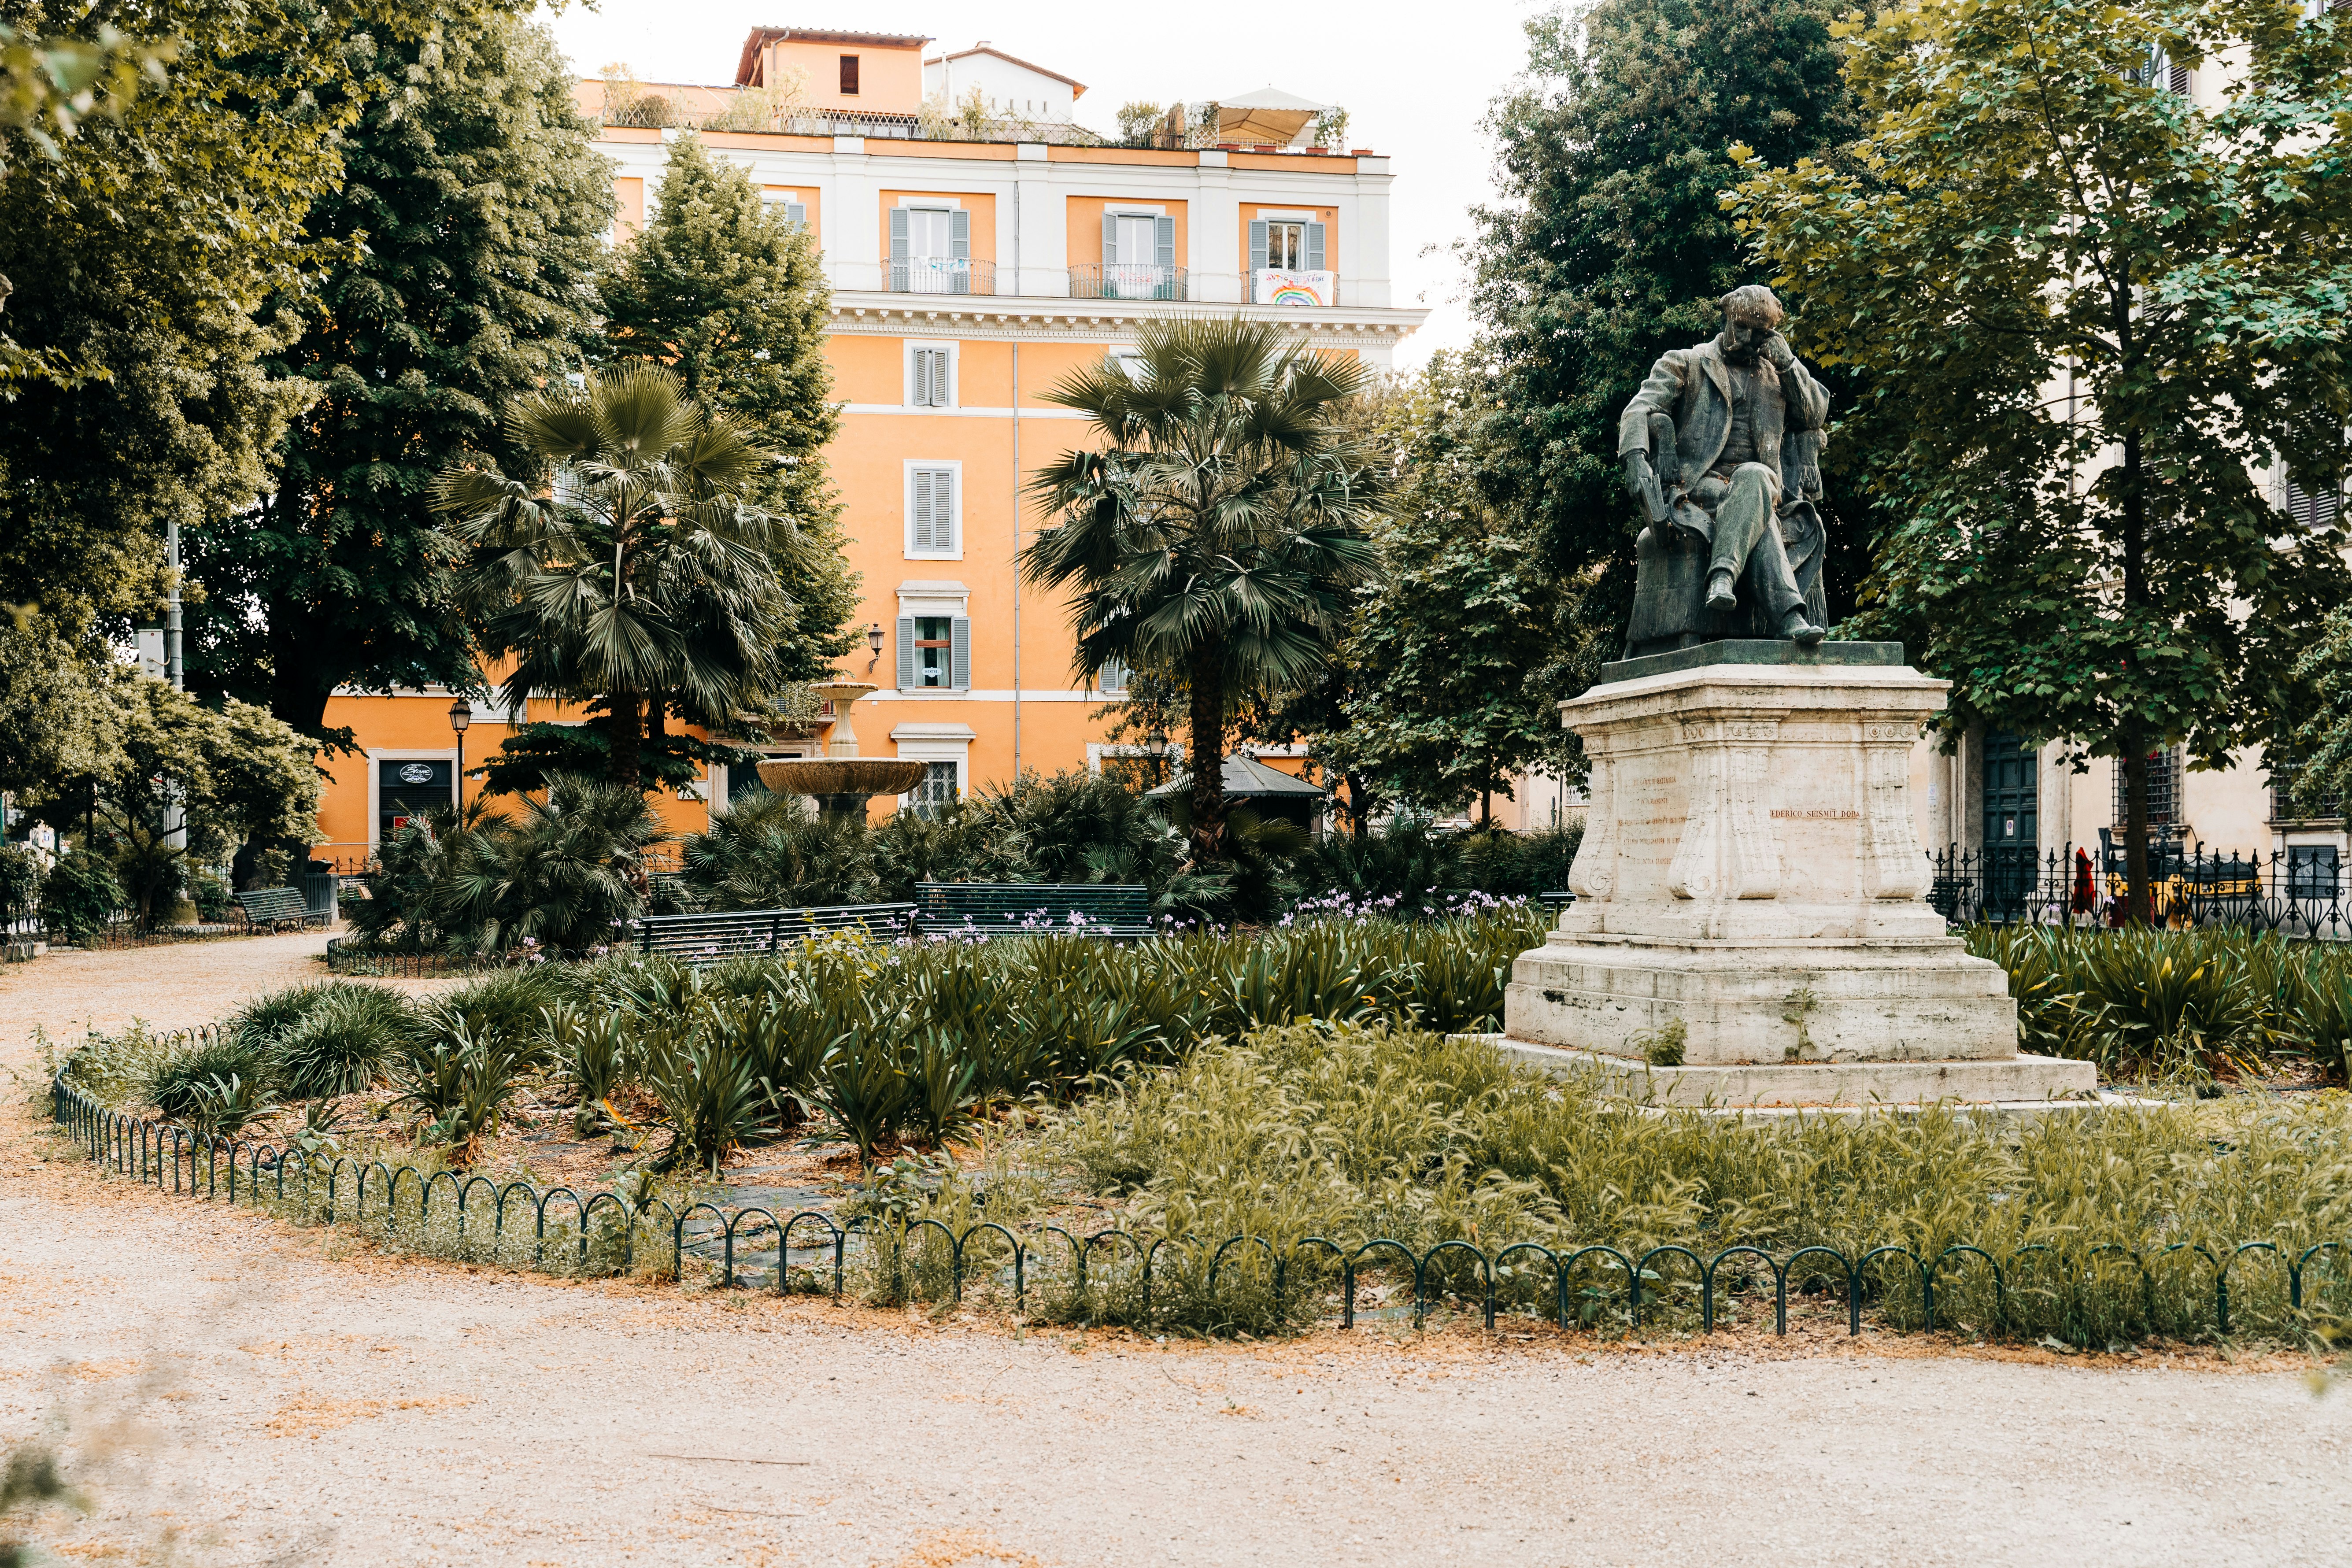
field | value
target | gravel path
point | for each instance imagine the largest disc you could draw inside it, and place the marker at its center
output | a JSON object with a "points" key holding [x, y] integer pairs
{"points": [[229, 1391]]}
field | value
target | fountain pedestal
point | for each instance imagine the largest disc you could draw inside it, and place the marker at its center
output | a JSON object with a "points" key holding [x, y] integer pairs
{"points": [[841, 780], [1749, 898]]}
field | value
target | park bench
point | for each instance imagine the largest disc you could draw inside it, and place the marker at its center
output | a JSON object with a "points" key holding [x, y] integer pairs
{"points": [[707, 938], [277, 908], [1558, 901], [1116, 910]]}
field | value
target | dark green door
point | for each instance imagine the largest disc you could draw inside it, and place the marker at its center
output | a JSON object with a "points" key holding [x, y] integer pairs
{"points": [[2012, 788]]}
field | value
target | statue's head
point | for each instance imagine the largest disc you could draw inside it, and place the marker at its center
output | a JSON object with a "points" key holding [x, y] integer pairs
{"points": [[1750, 314]]}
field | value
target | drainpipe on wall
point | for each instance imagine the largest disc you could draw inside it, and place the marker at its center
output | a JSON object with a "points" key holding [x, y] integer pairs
{"points": [[1016, 506]]}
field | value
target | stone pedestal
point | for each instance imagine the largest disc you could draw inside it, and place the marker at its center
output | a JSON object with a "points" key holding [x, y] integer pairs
{"points": [[1750, 872]]}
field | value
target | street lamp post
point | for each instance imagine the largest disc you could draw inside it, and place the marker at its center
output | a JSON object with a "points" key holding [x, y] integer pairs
{"points": [[874, 644], [1157, 742], [461, 713]]}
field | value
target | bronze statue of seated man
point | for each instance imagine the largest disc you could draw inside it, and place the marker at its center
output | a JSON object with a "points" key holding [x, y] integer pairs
{"points": [[1722, 444]]}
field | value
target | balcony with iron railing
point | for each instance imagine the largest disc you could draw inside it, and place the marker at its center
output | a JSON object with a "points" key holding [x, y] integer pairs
{"points": [[1129, 280], [938, 275], [1281, 285]]}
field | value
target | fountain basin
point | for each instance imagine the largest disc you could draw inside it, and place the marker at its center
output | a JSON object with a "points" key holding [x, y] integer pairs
{"points": [[823, 777]]}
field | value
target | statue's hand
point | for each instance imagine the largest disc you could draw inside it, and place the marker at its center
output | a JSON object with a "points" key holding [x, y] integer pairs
{"points": [[1777, 351], [1642, 480]]}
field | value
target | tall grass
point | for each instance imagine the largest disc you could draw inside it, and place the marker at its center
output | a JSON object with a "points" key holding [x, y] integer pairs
{"points": [[1356, 1134]]}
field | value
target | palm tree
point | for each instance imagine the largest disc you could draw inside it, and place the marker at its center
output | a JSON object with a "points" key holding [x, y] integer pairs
{"points": [[1214, 535], [563, 873], [629, 569]]}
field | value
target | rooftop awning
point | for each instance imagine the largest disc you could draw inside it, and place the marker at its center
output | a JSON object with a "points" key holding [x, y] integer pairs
{"points": [[1270, 114], [1245, 777]]}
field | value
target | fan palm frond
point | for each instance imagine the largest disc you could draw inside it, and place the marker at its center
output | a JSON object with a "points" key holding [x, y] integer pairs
{"points": [[1217, 527], [629, 566]]}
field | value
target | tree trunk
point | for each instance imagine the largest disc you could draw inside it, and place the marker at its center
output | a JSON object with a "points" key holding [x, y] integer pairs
{"points": [[2140, 905], [624, 725], [1361, 804], [1207, 715]]}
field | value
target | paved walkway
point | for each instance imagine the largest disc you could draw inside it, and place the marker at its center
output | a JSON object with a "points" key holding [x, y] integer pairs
{"points": [[230, 1391]]}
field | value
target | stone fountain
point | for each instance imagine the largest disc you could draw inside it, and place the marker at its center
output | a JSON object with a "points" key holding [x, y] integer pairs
{"points": [[841, 780]]}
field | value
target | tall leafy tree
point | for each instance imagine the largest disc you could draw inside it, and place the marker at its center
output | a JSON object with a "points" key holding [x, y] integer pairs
{"points": [[237, 774], [48, 87], [466, 229], [626, 563], [1452, 642], [1214, 536], [2100, 316], [147, 256], [1611, 248], [723, 287]]}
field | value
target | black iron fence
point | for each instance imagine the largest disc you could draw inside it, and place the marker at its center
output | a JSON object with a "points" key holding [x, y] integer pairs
{"points": [[2097, 1294], [2299, 891]]}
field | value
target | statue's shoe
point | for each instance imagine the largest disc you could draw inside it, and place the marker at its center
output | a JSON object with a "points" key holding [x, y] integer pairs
{"points": [[1801, 631], [1719, 596]]}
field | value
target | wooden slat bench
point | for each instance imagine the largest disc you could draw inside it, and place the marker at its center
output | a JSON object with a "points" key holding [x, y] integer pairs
{"points": [[277, 908], [1115, 909], [1559, 900], [707, 938]]}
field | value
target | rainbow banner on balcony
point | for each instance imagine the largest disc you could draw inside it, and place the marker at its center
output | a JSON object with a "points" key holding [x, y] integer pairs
{"points": [[1282, 286]]}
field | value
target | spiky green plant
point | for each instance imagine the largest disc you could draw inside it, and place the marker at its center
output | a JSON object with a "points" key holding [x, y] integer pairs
{"points": [[2173, 1006], [458, 1087], [179, 1081], [710, 1098], [340, 1044], [223, 1106]]}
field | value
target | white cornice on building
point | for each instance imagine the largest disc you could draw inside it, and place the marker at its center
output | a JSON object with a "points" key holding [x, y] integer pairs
{"points": [[1041, 319]]}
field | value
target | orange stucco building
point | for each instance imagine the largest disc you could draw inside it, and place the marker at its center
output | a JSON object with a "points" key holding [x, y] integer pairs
{"points": [[968, 277]]}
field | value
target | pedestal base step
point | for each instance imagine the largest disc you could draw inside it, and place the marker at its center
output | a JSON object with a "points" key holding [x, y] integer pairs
{"points": [[2015, 1085]]}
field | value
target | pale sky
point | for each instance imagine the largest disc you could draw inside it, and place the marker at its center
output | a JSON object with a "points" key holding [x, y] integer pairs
{"points": [[1415, 82]]}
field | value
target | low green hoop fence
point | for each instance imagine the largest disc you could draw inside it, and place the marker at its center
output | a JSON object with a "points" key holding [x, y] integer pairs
{"points": [[2100, 1295]]}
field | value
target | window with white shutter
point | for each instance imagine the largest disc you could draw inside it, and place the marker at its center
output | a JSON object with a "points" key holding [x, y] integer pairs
{"points": [[931, 511], [931, 378]]}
